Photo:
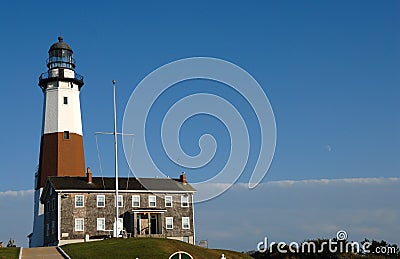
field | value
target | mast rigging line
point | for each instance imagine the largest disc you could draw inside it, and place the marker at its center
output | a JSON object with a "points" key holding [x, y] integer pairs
{"points": [[112, 133]]}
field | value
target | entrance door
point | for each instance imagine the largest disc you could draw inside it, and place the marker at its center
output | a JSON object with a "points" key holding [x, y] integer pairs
{"points": [[144, 226], [153, 224]]}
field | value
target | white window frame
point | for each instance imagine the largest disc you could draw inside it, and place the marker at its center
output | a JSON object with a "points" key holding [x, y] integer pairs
{"points": [[83, 201], [151, 197], [104, 201], [101, 224], [185, 220], [170, 202], [120, 199], [183, 202], [76, 225], [172, 222], [133, 200]]}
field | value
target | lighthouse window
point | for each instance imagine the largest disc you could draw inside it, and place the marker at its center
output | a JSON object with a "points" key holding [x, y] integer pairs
{"points": [[66, 134], [65, 100]]}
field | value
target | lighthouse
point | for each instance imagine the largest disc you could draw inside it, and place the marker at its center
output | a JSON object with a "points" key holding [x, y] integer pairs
{"points": [[61, 147]]}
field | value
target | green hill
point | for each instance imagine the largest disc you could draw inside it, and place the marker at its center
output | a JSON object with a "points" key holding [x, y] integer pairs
{"points": [[9, 252], [144, 248]]}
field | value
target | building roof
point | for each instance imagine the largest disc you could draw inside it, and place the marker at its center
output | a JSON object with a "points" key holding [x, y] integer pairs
{"points": [[60, 45], [108, 183]]}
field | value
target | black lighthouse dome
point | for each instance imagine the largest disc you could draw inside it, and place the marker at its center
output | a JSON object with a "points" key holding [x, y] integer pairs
{"points": [[60, 55]]}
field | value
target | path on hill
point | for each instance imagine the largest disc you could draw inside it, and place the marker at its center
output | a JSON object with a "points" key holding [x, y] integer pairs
{"points": [[41, 252]]}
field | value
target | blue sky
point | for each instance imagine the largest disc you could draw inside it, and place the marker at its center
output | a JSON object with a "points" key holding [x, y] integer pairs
{"points": [[329, 69]]}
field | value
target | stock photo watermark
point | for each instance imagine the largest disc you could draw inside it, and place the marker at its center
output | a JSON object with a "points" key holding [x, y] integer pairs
{"points": [[157, 82], [337, 245]]}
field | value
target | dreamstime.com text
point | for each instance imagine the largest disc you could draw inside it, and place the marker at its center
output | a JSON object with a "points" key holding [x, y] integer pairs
{"points": [[331, 245]]}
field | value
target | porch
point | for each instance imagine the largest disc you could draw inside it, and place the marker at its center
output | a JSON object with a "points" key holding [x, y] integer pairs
{"points": [[145, 223]]}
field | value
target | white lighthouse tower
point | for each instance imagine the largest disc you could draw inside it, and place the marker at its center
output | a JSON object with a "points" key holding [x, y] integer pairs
{"points": [[61, 148]]}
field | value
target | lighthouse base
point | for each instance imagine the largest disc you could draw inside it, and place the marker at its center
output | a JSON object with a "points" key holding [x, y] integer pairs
{"points": [[36, 239]]}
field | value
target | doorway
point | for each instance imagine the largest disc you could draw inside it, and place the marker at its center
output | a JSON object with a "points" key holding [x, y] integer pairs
{"points": [[153, 224]]}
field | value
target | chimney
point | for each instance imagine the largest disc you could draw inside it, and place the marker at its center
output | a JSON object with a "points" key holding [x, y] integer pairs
{"points": [[183, 178], [89, 175]]}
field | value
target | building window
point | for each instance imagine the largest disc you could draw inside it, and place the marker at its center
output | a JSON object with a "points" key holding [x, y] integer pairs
{"points": [[168, 201], [65, 100], [53, 204], [135, 200], [120, 201], [66, 134], [79, 224], [185, 201], [152, 201], [53, 227], [101, 200], [79, 201], [47, 229], [185, 223], [169, 224], [101, 224]]}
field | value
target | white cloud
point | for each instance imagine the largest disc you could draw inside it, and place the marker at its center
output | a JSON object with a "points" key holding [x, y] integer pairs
{"points": [[16, 193], [298, 210], [328, 148], [288, 183]]}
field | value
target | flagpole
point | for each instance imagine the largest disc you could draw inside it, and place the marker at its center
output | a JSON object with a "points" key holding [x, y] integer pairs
{"points": [[116, 162]]}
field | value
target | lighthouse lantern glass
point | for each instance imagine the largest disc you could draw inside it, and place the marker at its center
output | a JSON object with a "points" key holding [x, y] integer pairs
{"points": [[60, 58]]}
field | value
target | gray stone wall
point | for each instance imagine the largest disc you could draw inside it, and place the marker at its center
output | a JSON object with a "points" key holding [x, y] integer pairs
{"points": [[90, 212]]}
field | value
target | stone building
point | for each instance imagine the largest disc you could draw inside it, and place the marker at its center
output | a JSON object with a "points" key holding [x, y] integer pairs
{"points": [[78, 209]]}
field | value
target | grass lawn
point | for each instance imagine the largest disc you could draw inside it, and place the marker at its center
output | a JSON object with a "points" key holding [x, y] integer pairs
{"points": [[143, 248], [9, 252]]}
